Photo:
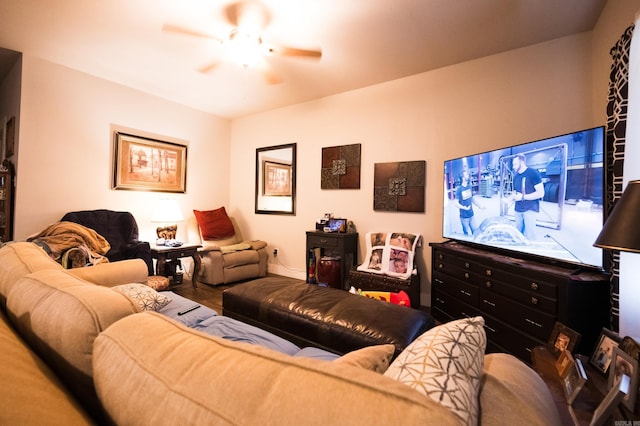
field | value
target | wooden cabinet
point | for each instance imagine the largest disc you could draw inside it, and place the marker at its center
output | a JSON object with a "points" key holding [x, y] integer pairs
{"points": [[6, 202], [342, 245], [519, 299]]}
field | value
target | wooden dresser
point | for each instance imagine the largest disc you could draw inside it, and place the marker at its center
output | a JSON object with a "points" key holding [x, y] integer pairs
{"points": [[519, 299]]}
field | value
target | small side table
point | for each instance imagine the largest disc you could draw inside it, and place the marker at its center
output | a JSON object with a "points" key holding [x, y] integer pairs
{"points": [[163, 254]]}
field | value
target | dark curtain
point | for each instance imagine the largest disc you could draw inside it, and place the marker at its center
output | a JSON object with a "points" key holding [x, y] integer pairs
{"points": [[616, 129]]}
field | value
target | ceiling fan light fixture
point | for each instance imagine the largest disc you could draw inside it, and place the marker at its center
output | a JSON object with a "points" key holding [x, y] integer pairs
{"points": [[245, 49]]}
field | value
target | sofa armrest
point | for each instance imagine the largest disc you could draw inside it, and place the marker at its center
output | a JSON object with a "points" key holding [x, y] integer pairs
{"points": [[257, 244], [512, 393], [114, 273]]}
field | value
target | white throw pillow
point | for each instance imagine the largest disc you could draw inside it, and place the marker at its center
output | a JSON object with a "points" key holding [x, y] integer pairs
{"points": [[446, 364], [147, 298]]}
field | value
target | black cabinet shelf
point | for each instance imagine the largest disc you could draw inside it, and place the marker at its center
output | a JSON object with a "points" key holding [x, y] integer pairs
{"points": [[343, 245]]}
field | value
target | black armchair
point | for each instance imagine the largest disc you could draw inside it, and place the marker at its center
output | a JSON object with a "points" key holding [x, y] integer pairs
{"points": [[120, 229]]}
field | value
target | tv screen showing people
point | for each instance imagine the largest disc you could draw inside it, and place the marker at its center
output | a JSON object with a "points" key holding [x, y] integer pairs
{"points": [[543, 198]]}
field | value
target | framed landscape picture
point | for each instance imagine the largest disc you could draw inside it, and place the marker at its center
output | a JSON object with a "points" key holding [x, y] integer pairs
{"points": [[147, 164]]}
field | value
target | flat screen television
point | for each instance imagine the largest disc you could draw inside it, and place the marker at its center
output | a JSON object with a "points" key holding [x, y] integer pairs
{"points": [[542, 198]]}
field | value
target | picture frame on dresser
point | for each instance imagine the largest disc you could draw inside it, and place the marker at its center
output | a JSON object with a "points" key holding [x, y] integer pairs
{"points": [[611, 400], [602, 353], [624, 364], [561, 338], [574, 381]]}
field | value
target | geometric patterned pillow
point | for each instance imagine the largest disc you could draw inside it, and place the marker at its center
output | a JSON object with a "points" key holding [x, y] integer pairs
{"points": [[446, 364], [147, 298]]}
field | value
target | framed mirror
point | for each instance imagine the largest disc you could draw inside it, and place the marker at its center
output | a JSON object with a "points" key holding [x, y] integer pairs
{"points": [[276, 179]]}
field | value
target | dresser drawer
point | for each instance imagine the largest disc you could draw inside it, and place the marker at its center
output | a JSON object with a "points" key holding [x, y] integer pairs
{"points": [[322, 241], [529, 321], [510, 339], [527, 298], [467, 292], [523, 281], [452, 305]]}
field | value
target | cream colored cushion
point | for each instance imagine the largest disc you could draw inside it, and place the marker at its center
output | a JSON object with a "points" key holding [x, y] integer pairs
{"points": [[147, 298], [375, 358], [59, 316], [114, 273], [30, 393], [19, 259], [186, 377], [512, 393], [445, 364]]}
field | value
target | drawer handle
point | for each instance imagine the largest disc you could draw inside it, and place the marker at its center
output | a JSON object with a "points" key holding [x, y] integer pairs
{"points": [[489, 328], [466, 275], [534, 300], [488, 284], [440, 266], [533, 322], [489, 303], [466, 265], [323, 241], [440, 256], [466, 293], [488, 272], [534, 286], [438, 280], [439, 300]]}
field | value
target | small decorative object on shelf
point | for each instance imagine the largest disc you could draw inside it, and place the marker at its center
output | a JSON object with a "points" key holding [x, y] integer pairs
{"points": [[611, 401], [603, 351], [561, 338], [573, 383], [623, 364]]}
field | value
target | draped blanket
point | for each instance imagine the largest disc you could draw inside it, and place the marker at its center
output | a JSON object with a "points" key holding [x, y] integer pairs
{"points": [[57, 239]]}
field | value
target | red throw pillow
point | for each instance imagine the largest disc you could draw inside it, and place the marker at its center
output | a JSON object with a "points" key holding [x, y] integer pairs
{"points": [[214, 224]]}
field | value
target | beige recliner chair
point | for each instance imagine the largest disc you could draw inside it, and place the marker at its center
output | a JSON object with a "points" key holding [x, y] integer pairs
{"points": [[229, 259]]}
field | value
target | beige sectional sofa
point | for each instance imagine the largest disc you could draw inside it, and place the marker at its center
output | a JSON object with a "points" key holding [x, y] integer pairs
{"points": [[76, 352]]}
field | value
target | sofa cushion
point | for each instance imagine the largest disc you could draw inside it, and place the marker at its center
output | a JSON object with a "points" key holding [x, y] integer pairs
{"points": [[445, 364], [375, 358], [147, 298], [59, 316], [214, 224], [30, 393], [512, 393], [19, 259], [187, 377]]}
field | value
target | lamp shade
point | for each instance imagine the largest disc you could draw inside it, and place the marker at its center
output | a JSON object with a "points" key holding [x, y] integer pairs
{"points": [[621, 231], [167, 211]]}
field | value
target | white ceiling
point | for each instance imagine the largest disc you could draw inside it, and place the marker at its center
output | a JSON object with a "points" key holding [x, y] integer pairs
{"points": [[364, 42]]}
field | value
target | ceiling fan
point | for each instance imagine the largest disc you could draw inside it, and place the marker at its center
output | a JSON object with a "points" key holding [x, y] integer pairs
{"points": [[244, 44]]}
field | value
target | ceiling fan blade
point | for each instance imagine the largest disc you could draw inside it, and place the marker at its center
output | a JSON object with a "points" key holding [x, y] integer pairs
{"points": [[292, 51], [205, 69], [249, 16], [186, 31]]}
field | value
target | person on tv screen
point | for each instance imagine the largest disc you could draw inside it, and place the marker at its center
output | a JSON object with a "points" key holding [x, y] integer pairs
{"points": [[465, 201], [528, 190]]}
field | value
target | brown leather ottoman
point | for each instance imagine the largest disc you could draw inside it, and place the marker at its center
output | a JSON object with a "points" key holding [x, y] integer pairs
{"points": [[328, 318]]}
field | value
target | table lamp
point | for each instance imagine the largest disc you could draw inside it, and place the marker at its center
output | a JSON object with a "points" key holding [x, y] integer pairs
{"points": [[621, 231], [168, 213]]}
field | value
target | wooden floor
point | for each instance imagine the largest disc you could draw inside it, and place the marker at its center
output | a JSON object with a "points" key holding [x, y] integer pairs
{"points": [[206, 295]]}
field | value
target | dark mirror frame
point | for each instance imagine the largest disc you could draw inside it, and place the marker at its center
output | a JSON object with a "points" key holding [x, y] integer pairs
{"points": [[276, 194]]}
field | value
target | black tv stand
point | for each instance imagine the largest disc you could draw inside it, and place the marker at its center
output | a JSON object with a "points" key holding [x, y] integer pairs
{"points": [[520, 299]]}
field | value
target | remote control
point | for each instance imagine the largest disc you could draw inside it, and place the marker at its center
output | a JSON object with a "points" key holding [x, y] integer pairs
{"points": [[188, 309]]}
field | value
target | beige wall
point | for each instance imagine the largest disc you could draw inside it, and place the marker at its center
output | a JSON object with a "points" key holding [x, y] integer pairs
{"points": [[519, 96], [66, 129], [514, 97]]}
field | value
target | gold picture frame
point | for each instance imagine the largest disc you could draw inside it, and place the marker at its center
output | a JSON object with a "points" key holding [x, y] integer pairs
{"points": [[276, 179], [146, 164]]}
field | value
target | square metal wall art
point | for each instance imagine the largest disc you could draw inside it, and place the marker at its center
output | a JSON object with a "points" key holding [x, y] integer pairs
{"points": [[399, 186], [340, 167]]}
